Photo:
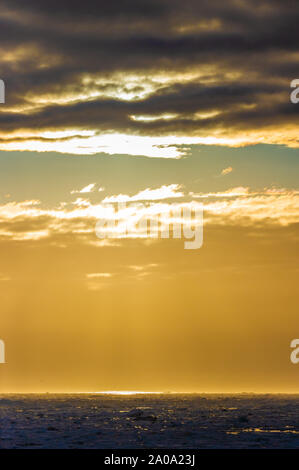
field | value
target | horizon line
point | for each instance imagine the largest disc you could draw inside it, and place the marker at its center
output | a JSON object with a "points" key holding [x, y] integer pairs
{"points": [[134, 392]]}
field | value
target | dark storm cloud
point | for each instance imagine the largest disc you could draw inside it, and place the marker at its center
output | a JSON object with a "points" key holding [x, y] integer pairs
{"points": [[248, 47], [184, 100]]}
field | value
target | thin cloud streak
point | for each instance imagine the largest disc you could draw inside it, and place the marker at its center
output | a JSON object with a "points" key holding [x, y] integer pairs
{"points": [[28, 220]]}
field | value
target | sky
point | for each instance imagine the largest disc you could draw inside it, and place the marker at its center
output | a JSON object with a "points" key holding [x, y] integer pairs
{"points": [[153, 104]]}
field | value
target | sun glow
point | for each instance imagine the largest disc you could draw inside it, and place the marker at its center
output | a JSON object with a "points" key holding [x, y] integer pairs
{"points": [[125, 392]]}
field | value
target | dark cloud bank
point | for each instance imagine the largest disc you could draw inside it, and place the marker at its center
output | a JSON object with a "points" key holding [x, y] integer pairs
{"points": [[241, 57]]}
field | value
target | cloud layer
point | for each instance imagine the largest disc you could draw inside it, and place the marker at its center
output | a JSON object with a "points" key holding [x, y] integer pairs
{"points": [[148, 78], [30, 221]]}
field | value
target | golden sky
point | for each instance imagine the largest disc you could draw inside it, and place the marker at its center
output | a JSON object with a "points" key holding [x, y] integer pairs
{"points": [[148, 104]]}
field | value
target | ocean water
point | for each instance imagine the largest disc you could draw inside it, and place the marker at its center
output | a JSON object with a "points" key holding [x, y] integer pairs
{"points": [[149, 421]]}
